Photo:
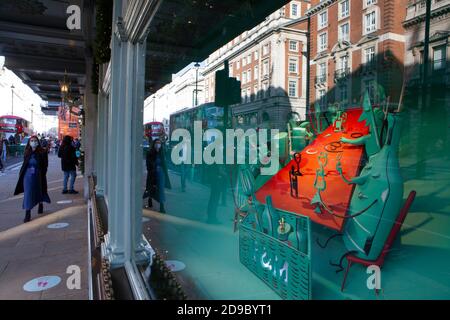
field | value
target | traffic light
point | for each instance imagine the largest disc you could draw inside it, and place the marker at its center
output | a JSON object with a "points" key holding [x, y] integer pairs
{"points": [[227, 90]]}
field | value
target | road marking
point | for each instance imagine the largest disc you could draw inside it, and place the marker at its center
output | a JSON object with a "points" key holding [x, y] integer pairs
{"points": [[14, 167]]}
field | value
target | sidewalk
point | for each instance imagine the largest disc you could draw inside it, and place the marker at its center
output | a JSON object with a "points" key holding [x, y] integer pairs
{"points": [[32, 250]]}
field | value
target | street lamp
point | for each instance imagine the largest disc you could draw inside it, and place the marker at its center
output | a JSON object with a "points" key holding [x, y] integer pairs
{"points": [[12, 99], [153, 108], [32, 105], [197, 66]]}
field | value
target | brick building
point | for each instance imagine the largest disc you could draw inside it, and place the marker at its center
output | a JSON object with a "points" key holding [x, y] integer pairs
{"points": [[271, 62], [355, 45], [439, 47]]}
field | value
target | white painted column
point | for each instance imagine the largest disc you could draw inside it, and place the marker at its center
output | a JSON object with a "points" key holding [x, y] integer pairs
{"points": [[124, 242], [115, 243], [100, 150]]}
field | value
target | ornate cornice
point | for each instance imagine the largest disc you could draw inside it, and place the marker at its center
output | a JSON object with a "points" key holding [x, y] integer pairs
{"points": [[318, 7], [421, 18]]}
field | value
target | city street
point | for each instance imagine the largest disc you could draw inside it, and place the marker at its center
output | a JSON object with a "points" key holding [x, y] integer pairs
{"points": [[33, 250]]}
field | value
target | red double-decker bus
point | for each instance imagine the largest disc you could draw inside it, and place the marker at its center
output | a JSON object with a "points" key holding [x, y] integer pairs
{"points": [[12, 125], [155, 130]]}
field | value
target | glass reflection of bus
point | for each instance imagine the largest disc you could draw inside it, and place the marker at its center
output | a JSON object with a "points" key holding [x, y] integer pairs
{"points": [[155, 130], [16, 127], [210, 116]]}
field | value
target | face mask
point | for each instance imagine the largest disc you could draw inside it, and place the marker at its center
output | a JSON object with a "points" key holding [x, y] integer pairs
{"points": [[157, 146], [34, 144]]}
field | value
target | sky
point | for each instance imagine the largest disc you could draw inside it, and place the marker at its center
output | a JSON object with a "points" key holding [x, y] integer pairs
{"points": [[23, 102]]}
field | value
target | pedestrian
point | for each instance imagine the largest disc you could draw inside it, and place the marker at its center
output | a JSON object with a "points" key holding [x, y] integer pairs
{"points": [[69, 163], [157, 175], [11, 139], [2, 148], [44, 143], [32, 178]]}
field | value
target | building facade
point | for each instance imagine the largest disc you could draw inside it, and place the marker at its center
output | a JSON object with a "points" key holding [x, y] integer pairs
{"points": [[356, 45], [185, 91], [270, 60], [439, 46]]}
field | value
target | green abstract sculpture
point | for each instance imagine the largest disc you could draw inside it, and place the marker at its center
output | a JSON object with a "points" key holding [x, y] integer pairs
{"points": [[370, 141], [377, 198], [320, 183]]}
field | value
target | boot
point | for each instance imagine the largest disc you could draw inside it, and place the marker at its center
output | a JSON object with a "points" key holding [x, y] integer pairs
{"points": [[27, 216], [41, 208], [161, 208]]}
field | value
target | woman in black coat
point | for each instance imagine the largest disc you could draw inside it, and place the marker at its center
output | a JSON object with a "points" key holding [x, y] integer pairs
{"points": [[33, 178], [157, 175], [69, 163]]}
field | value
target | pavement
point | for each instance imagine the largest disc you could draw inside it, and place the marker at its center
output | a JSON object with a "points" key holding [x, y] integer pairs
{"points": [[33, 250]]}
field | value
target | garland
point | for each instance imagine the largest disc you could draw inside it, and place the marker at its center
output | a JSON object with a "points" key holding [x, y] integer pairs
{"points": [[103, 21], [94, 78], [163, 281]]}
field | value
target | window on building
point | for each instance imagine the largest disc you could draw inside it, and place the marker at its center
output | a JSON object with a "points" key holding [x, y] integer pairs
{"points": [[321, 73], [343, 93], [255, 92], [323, 19], [295, 10], [266, 68], [344, 32], [249, 75], [323, 42], [244, 61], [369, 56], [439, 58], [265, 89], [249, 94], [322, 97], [265, 49], [344, 9], [238, 65], [293, 46], [343, 61], [244, 77], [256, 55], [370, 2], [238, 77], [292, 88], [249, 59], [369, 86], [293, 65], [322, 69], [370, 22], [256, 73]]}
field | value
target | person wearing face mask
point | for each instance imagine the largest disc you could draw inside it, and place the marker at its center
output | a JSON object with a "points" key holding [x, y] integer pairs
{"points": [[32, 178], [157, 175]]}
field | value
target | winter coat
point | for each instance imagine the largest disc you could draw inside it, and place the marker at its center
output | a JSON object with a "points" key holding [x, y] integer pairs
{"points": [[42, 159], [68, 156], [151, 169]]}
